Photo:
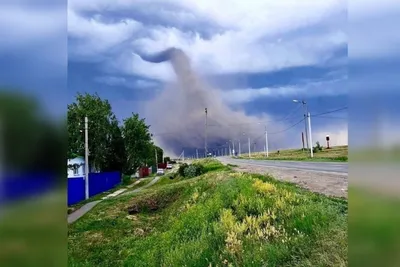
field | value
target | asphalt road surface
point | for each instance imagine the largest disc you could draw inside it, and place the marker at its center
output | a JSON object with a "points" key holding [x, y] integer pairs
{"points": [[329, 167]]}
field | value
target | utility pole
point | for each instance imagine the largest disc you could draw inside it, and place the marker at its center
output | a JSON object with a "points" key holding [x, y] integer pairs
{"points": [[197, 153], [205, 134], [305, 123], [266, 142], [249, 148], [240, 151], [155, 151], [230, 151], [304, 103], [233, 144], [309, 134], [86, 158]]}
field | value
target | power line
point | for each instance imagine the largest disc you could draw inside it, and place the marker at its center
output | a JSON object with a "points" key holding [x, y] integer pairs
{"points": [[328, 112], [285, 118], [294, 110], [297, 123], [328, 117], [255, 139], [320, 115]]}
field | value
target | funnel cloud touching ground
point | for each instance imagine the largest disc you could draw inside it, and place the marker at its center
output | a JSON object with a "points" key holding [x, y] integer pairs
{"points": [[177, 115]]}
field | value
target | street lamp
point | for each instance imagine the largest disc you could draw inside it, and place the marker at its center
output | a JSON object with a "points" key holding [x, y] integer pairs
{"points": [[304, 103]]}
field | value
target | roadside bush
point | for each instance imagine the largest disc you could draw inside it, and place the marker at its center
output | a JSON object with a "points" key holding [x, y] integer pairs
{"points": [[126, 179], [317, 147], [182, 168], [193, 171], [200, 169], [190, 171]]}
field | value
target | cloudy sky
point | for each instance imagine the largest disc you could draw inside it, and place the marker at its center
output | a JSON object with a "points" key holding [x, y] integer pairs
{"points": [[260, 55]]}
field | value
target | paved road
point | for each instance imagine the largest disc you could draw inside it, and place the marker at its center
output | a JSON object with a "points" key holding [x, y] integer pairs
{"points": [[330, 167]]}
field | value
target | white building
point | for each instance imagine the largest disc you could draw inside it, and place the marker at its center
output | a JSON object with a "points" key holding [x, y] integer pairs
{"points": [[76, 167]]}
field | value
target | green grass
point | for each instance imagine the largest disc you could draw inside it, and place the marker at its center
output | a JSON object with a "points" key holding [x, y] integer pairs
{"points": [[143, 182], [209, 167], [337, 154], [374, 229], [219, 218], [33, 232], [165, 180], [375, 154]]}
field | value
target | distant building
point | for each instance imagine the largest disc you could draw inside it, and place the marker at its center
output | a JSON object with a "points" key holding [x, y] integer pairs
{"points": [[76, 167]]}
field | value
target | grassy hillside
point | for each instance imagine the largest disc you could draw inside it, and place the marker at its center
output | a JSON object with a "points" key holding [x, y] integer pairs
{"points": [[337, 153], [221, 218]]}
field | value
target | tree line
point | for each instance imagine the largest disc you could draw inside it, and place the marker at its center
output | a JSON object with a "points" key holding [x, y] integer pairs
{"points": [[112, 145]]}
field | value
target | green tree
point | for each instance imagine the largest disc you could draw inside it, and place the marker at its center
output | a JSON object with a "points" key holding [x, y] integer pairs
{"points": [[116, 155], [105, 150], [160, 153], [151, 155], [138, 143]]}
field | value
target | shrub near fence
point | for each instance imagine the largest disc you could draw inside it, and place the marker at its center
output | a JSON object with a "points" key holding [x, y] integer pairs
{"points": [[98, 183]]}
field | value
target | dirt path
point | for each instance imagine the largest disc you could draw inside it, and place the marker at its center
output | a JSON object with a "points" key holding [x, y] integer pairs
{"points": [[319, 182], [155, 180]]}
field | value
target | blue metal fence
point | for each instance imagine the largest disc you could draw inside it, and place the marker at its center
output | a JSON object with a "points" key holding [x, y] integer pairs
{"points": [[17, 187], [20, 186], [103, 181], [98, 183], [75, 190]]}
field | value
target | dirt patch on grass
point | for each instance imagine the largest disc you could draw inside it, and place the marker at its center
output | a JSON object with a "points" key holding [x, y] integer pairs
{"points": [[154, 201], [147, 205], [323, 183], [94, 237]]}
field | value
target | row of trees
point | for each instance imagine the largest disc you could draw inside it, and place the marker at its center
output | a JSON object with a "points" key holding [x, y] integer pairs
{"points": [[111, 146]]}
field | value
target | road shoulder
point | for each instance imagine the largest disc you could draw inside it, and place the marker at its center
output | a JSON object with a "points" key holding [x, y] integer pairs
{"points": [[329, 184]]}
